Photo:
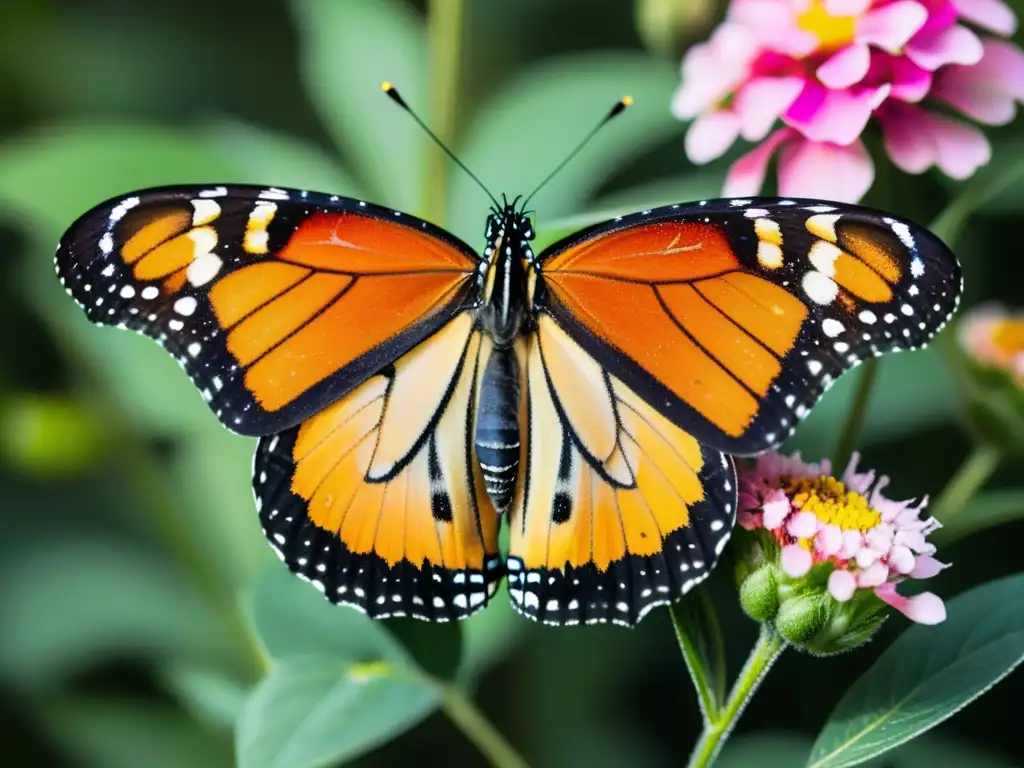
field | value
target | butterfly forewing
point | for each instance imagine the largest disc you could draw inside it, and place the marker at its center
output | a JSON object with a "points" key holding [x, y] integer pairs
{"points": [[275, 302], [378, 500], [732, 317]]}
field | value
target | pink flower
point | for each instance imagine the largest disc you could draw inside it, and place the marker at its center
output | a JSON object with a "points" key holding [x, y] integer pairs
{"points": [[828, 68], [869, 542], [993, 337]]}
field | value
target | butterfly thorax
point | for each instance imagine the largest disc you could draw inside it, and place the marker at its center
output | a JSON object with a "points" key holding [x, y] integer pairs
{"points": [[504, 314], [507, 260]]}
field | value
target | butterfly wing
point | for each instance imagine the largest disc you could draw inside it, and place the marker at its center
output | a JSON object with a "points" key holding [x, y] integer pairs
{"points": [[617, 509], [275, 302], [378, 500], [732, 317]]}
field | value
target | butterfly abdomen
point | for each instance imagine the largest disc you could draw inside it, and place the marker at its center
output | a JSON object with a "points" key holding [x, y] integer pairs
{"points": [[497, 426]]}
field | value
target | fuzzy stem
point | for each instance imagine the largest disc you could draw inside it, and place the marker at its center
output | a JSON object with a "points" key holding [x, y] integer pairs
{"points": [[764, 653], [444, 36], [856, 415], [969, 478], [478, 729]]}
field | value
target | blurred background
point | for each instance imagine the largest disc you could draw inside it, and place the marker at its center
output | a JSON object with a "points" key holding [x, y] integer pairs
{"points": [[128, 538]]}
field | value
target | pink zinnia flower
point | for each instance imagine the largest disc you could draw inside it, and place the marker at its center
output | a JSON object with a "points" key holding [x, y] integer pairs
{"points": [[826, 68], [869, 542]]}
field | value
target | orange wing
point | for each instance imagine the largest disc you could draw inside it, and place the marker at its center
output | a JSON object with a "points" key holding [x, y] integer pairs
{"points": [[379, 499], [617, 510], [731, 318], [275, 302]]}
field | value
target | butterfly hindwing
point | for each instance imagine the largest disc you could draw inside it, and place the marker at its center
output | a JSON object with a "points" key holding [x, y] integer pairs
{"points": [[379, 500], [275, 302], [617, 510], [732, 317]]}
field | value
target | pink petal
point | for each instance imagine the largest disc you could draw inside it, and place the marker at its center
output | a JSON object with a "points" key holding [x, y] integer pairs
{"points": [[867, 557], [825, 171], [829, 540], [911, 149], [710, 135], [1005, 62], [910, 82], [956, 45], [993, 15], [761, 101], [837, 117], [842, 584], [846, 7], [987, 105], [776, 509], [851, 544], [911, 539], [774, 26], [961, 148], [845, 67], [901, 560], [802, 525], [747, 520], [873, 576], [891, 26], [925, 567], [795, 561], [746, 176], [925, 608]]}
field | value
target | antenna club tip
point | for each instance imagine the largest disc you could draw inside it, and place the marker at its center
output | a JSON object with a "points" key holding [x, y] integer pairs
{"points": [[387, 86], [627, 101]]}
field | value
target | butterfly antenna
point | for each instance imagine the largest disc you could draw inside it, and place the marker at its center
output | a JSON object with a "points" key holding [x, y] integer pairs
{"points": [[396, 97], [615, 111]]}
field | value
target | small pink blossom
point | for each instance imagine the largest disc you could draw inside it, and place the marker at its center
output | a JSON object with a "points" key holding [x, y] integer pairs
{"points": [[828, 68], [993, 336], [870, 541]]}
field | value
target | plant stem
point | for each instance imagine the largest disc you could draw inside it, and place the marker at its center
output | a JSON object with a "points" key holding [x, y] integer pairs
{"points": [[478, 729], [764, 653], [969, 478], [444, 39], [858, 412]]}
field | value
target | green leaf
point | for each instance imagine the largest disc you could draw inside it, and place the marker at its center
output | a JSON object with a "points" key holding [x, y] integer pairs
{"points": [[521, 134], [321, 711], [700, 638], [48, 179], [212, 472], [347, 49], [123, 733], [927, 675], [986, 510], [280, 160], [70, 604], [293, 619], [212, 696]]}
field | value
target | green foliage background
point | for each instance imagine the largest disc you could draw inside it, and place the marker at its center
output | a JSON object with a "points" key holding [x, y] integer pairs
{"points": [[139, 604]]}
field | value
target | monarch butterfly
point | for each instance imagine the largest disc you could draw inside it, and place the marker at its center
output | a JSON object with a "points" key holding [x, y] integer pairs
{"points": [[407, 393]]}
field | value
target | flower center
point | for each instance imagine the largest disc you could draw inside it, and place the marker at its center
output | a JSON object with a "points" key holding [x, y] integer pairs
{"points": [[1008, 336], [833, 32], [830, 501]]}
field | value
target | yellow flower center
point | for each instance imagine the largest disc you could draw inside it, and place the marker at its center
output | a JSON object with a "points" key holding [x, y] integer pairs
{"points": [[1008, 336], [832, 502], [833, 32]]}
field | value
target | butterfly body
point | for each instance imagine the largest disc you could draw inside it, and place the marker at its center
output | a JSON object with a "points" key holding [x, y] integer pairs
{"points": [[409, 393]]}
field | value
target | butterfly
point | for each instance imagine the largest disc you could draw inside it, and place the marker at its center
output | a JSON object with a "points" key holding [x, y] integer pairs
{"points": [[409, 393]]}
